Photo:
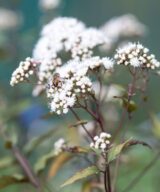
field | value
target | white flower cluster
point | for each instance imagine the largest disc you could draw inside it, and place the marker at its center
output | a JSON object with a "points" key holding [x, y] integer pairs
{"points": [[49, 4], [26, 68], [71, 81], [136, 55], [82, 67], [59, 146], [82, 47], [54, 39], [65, 35], [63, 95], [101, 142], [123, 26]]}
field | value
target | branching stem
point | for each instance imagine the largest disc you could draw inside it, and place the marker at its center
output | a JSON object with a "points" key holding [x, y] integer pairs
{"points": [[85, 129]]}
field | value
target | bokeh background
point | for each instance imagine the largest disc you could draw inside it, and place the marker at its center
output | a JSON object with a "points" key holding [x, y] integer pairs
{"points": [[20, 112]]}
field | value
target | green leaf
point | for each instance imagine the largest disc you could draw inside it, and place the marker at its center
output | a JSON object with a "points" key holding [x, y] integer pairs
{"points": [[42, 162], [116, 150], [156, 126], [97, 151], [31, 145], [81, 174], [6, 162], [6, 181]]}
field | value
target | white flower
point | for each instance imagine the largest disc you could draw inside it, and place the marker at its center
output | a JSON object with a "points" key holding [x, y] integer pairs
{"points": [[96, 138], [62, 28], [123, 26], [67, 35], [25, 69], [59, 146], [101, 142], [83, 45], [74, 82], [64, 92], [136, 55], [54, 37], [107, 62], [104, 135], [103, 146], [70, 101], [92, 145], [134, 61]]}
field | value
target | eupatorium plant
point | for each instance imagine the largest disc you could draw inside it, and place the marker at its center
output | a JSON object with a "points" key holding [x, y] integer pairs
{"points": [[74, 66]]}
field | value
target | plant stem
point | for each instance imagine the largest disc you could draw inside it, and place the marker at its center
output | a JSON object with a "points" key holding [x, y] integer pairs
{"points": [[105, 181], [109, 179], [100, 117], [89, 111], [120, 125], [23, 162], [78, 118], [131, 88]]}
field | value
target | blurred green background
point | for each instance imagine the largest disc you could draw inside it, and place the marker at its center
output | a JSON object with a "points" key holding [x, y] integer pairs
{"points": [[16, 44]]}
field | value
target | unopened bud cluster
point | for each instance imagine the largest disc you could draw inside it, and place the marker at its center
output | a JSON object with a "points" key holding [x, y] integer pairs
{"points": [[136, 55], [101, 142], [26, 68]]}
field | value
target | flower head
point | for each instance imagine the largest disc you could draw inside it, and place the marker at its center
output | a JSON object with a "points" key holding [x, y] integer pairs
{"points": [[24, 71], [83, 45], [123, 26], [55, 36], [101, 141], [68, 36], [136, 55], [63, 94]]}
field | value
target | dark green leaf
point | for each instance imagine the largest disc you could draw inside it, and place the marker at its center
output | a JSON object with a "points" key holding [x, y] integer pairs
{"points": [[7, 180], [6, 162], [116, 150], [81, 174]]}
